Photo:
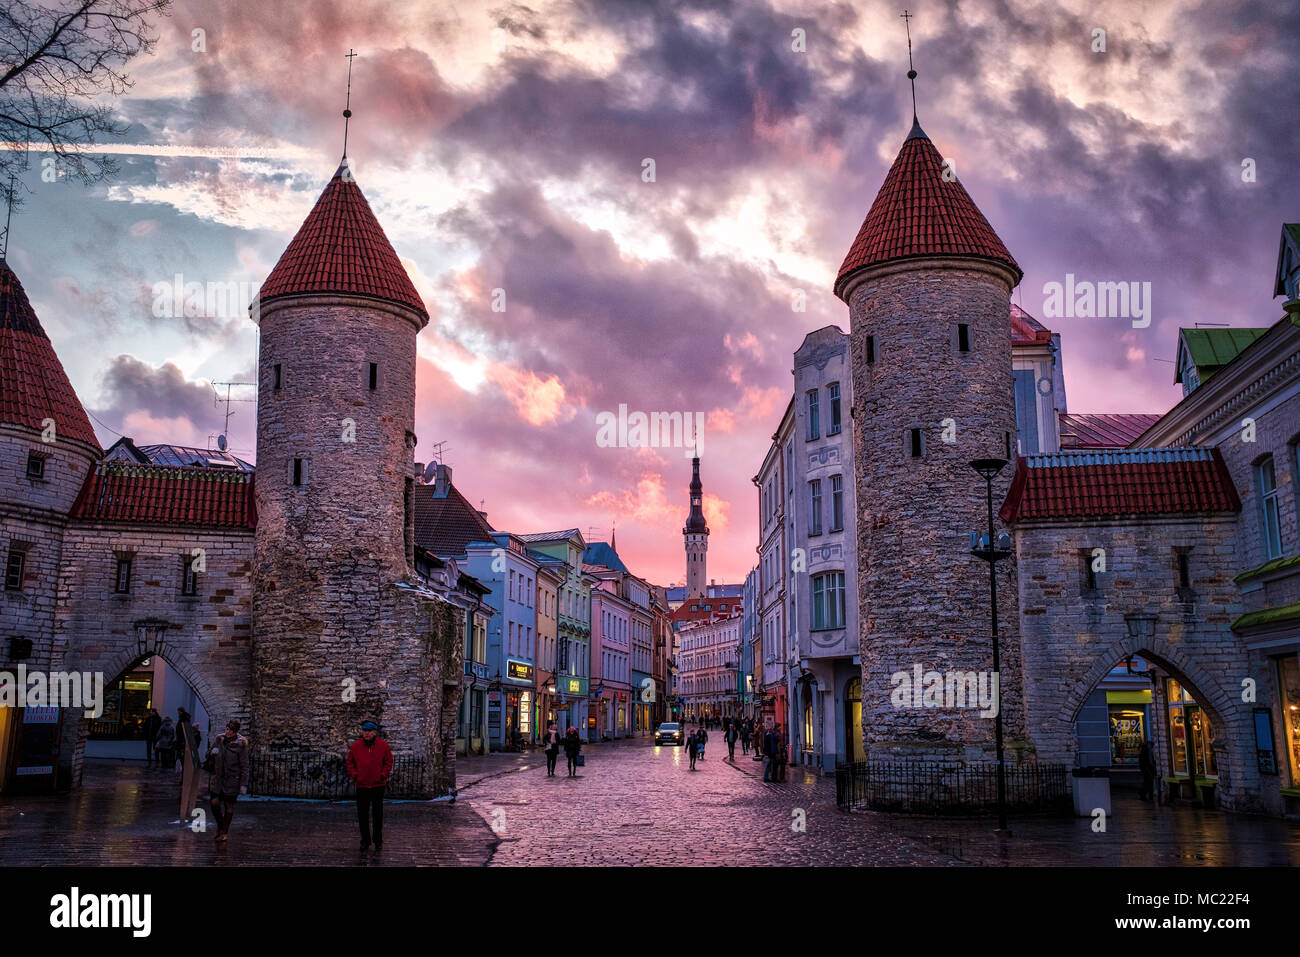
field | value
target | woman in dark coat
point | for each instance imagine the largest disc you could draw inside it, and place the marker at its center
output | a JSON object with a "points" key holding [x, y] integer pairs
{"points": [[572, 745]]}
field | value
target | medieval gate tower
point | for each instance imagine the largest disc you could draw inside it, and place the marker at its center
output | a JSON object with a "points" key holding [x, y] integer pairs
{"points": [[342, 632], [928, 285]]}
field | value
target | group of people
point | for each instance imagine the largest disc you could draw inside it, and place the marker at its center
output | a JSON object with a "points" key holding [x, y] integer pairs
{"points": [[164, 739], [770, 745], [569, 741]]}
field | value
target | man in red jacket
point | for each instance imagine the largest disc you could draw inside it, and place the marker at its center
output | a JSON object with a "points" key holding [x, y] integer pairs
{"points": [[370, 762]]}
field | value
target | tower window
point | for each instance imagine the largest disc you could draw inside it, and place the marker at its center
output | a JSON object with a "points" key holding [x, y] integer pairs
{"points": [[1184, 570], [963, 337], [35, 466], [14, 568], [871, 348], [374, 376], [122, 581], [299, 472], [275, 378], [189, 577], [915, 443]]}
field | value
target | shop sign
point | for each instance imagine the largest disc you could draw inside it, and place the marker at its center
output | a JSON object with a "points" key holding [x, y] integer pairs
{"points": [[478, 669], [573, 685], [40, 716], [518, 670]]}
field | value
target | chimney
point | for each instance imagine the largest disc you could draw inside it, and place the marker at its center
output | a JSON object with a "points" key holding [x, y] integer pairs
{"points": [[442, 481]]}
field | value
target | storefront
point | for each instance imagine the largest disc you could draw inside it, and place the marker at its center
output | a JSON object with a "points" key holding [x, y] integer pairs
{"points": [[519, 719], [571, 691], [1129, 723], [1288, 679], [1191, 758]]}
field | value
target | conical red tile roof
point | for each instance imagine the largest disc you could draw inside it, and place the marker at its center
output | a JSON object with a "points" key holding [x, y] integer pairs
{"points": [[918, 213], [341, 248], [33, 385]]}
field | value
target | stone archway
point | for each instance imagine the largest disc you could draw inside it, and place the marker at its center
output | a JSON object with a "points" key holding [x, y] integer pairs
{"points": [[1232, 734], [149, 639]]}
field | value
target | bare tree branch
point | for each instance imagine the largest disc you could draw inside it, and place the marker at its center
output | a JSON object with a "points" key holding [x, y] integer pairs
{"points": [[59, 63]]}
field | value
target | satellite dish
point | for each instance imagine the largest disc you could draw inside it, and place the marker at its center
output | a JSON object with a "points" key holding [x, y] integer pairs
{"points": [[221, 442], [430, 472]]}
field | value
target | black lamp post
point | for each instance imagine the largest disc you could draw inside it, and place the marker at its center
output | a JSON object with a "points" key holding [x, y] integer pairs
{"points": [[983, 548]]}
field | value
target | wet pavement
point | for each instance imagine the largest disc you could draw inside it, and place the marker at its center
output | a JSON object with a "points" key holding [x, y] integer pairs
{"points": [[632, 804]]}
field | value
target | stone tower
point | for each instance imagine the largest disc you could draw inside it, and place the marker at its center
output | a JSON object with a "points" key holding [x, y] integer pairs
{"points": [[928, 285], [341, 632], [696, 534]]}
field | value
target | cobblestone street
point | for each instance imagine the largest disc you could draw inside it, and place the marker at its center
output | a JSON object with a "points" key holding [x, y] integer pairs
{"points": [[632, 804]]}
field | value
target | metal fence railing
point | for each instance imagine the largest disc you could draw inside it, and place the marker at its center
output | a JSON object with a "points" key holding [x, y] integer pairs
{"points": [[313, 774], [938, 788]]}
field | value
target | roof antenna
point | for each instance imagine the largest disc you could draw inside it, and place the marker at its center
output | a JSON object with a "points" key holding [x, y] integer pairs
{"points": [[911, 73], [347, 107]]}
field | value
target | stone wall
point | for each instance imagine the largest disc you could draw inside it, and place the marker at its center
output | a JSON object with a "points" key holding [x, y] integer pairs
{"points": [[1072, 637], [923, 599], [207, 639]]}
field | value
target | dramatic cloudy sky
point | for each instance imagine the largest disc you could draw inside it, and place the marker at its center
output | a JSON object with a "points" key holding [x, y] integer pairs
{"points": [[501, 146]]}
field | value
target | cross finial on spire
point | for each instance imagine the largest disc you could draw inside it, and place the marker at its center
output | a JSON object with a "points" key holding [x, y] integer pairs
{"points": [[347, 107], [911, 72]]}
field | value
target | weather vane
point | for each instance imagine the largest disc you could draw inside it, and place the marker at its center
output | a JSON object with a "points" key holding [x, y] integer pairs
{"points": [[347, 106], [911, 72]]}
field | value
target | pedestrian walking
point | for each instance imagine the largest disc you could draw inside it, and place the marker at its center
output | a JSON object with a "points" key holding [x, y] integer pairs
{"points": [[572, 745], [692, 747], [165, 746], [552, 740], [769, 755], [1147, 765], [187, 742], [151, 725], [370, 763], [744, 738], [781, 754], [228, 762], [732, 734], [702, 738]]}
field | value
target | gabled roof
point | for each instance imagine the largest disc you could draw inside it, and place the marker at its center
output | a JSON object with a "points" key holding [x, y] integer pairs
{"points": [[1026, 330], [1133, 482], [188, 456], [601, 553], [446, 524], [564, 536], [1083, 430], [33, 385], [919, 213], [1211, 349], [341, 248], [167, 495]]}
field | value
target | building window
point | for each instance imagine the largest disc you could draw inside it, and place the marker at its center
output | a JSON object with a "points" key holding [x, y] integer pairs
{"points": [[374, 376], [963, 337], [14, 568], [122, 581], [828, 601], [299, 472], [35, 466], [814, 426], [189, 577], [1089, 584], [915, 443], [815, 507], [1189, 734], [871, 349], [834, 390], [1266, 480], [1184, 569], [275, 376], [837, 503]]}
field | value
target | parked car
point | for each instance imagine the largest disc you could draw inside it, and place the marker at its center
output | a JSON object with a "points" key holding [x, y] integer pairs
{"points": [[670, 732]]}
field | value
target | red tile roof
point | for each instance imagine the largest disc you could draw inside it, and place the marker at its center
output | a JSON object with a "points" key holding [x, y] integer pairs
{"points": [[1081, 430], [1074, 485], [33, 385], [919, 213], [341, 247], [167, 495], [445, 525], [1026, 330]]}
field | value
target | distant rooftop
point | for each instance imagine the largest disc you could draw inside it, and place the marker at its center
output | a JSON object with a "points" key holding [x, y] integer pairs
{"points": [[1083, 430], [183, 456]]}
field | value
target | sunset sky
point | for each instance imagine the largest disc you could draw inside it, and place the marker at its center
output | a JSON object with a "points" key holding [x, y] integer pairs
{"points": [[501, 146]]}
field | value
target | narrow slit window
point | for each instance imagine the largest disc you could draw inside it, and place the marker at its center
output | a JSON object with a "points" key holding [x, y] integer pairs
{"points": [[871, 348], [963, 337], [298, 472], [275, 384], [374, 376], [915, 443], [1184, 570]]}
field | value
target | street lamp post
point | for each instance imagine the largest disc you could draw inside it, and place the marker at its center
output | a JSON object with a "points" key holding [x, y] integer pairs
{"points": [[984, 549]]}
